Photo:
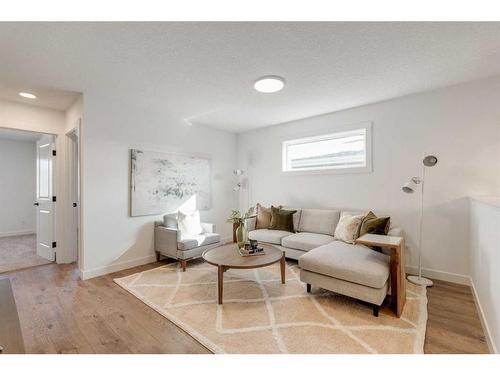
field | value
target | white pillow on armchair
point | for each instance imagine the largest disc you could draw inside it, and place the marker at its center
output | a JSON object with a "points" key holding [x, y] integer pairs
{"points": [[189, 223]]}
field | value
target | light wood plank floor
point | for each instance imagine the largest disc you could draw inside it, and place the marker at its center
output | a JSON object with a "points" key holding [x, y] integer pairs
{"points": [[61, 314], [453, 325]]}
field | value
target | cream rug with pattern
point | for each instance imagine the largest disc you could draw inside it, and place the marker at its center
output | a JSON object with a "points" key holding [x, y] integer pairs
{"points": [[260, 315]]}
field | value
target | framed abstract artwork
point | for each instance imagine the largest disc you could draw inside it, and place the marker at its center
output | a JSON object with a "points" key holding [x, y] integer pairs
{"points": [[165, 182]]}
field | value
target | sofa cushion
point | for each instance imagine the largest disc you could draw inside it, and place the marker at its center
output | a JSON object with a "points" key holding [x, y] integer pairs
{"points": [[347, 229], [296, 217], [306, 241], [196, 240], [189, 223], [268, 235], [355, 263], [281, 219], [263, 217], [374, 225], [319, 221]]}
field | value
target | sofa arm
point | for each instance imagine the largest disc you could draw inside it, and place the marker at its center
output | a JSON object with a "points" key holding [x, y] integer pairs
{"points": [[250, 223], [166, 241], [208, 227]]}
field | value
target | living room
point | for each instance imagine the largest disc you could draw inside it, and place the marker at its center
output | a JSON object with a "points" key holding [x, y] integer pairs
{"points": [[258, 187]]}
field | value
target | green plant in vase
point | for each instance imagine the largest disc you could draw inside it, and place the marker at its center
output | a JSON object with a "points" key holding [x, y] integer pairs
{"points": [[239, 219]]}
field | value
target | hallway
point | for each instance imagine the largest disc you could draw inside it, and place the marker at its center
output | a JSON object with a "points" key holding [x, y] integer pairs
{"points": [[18, 252]]}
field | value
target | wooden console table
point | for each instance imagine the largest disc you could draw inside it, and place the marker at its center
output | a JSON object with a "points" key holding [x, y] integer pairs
{"points": [[396, 246]]}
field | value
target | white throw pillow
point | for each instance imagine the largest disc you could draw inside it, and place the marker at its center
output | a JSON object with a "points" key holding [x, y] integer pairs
{"points": [[348, 227], [189, 223]]}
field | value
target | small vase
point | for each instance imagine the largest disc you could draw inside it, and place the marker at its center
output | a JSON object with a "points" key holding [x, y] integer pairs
{"points": [[241, 235]]}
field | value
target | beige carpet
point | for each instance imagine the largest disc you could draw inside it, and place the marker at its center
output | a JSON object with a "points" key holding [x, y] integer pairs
{"points": [[260, 315], [19, 252]]}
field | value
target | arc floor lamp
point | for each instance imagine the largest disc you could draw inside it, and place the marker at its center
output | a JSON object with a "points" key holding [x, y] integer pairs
{"points": [[409, 188]]}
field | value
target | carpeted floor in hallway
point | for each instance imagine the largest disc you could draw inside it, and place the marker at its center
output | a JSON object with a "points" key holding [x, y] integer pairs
{"points": [[19, 252]]}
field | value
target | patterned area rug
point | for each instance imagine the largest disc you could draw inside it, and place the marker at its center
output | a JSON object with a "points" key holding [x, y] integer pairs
{"points": [[19, 252], [260, 315]]}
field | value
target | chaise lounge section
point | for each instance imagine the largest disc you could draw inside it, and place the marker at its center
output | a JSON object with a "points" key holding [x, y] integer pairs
{"points": [[353, 270]]}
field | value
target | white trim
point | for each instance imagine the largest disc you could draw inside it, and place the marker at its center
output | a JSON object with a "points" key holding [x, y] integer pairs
{"points": [[72, 220], [440, 275], [115, 267], [18, 233], [484, 322]]}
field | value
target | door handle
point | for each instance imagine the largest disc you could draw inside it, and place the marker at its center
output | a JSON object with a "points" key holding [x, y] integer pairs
{"points": [[36, 204]]}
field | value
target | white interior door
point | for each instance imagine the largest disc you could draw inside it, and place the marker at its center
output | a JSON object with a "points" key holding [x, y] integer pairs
{"points": [[45, 245]]}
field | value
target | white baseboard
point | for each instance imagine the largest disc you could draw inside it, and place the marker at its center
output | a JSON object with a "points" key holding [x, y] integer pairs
{"points": [[115, 267], [484, 322], [17, 233], [440, 275]]}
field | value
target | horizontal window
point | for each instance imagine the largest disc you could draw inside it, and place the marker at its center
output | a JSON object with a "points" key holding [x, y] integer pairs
{"points": [[345, 151]]}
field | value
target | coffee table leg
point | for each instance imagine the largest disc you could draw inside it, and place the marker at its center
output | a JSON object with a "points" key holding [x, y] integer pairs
{"points": [[282, 264], [220, 283]]}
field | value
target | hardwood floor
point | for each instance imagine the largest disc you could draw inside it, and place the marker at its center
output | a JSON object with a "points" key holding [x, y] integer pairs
{"points": [[11, 339], [61, 314], [453, 325]]}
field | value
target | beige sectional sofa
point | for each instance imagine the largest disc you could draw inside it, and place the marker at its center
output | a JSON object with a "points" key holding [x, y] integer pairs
{"points": [[353, 270]]}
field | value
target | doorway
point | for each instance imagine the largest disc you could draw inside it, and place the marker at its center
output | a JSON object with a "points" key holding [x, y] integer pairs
{"points": [[27, 229]]}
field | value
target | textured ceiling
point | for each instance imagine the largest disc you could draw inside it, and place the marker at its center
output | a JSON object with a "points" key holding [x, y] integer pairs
{"points": [[46, 98], [203, 72]]}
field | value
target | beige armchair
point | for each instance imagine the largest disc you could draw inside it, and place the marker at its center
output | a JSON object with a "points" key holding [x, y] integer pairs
{"points": [[171, 243]]}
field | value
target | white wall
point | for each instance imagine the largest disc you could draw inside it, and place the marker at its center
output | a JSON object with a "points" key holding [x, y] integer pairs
{"points": [[459, 124], [17, 187], [485, 265], [27, 117], [112, 239]]}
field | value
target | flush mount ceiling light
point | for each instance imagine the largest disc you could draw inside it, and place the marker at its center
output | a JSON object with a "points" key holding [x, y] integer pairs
{"points": [[27, 95], [269, 84]]}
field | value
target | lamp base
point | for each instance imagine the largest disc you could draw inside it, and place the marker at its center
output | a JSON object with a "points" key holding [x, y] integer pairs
{"points": [[420, 281]]}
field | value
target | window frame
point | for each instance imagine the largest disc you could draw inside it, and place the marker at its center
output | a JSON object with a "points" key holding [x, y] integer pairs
{"points": [[341, 132]]}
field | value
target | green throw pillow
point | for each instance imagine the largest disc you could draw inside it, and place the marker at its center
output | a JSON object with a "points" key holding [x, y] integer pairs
{"points": [[374, 225], [281, 219]]}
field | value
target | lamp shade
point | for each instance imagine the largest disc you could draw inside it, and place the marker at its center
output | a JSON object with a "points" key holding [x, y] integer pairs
{"points": [[430, 161], [409, 187]]}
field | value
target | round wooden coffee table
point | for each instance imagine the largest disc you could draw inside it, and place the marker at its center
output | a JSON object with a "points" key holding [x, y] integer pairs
{"points": [[226, 257]]}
